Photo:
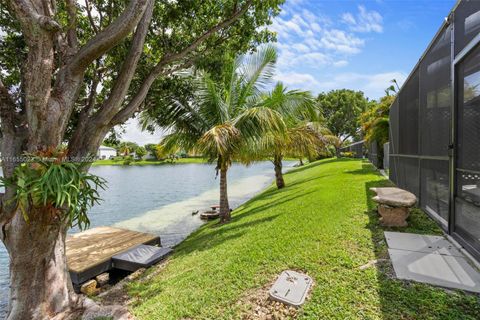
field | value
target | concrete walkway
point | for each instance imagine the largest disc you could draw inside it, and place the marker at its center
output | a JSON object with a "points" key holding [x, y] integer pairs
{"points": [[431, 259]]}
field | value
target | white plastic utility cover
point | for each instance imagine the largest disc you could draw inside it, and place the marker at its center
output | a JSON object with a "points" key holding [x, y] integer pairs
{"points": [[291, 288]]}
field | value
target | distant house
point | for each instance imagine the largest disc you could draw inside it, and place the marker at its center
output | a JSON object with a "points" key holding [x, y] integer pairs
{"points": [[105, 152]]}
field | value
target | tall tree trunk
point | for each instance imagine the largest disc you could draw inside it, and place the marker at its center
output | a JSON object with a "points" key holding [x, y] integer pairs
{"points": [[337, 152], [39, 280], [277, 162], [300, 163], [51, 82], [224, 206]]}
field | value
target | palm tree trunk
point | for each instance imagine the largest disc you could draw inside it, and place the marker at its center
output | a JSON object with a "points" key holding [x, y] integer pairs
{"points": [[224, 207], [277, 162]]}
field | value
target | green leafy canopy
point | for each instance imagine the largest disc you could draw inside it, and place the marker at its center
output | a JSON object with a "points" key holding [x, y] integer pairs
{"points": [[341, 110]]}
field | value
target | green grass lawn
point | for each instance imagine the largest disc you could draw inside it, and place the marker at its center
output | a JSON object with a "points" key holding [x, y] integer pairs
{"points": [[322, 223], [148, 162]]}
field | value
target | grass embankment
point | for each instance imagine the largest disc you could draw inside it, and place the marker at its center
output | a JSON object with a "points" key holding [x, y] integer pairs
{"points": [[322, 223], [148, 162]]}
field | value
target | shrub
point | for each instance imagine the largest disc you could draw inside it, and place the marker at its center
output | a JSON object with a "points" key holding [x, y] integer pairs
{"points": [[127, 160], [347, 154]]}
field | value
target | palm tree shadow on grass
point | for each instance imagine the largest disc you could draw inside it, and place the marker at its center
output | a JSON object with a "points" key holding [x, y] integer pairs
{"points": [[400, 299], [205, 239], [214, 234], [223, 233]]}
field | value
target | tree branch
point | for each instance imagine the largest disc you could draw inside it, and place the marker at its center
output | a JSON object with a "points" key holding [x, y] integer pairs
{"points": [[90, 17], [127, 72], [108, 37], [90, 101], [169, 58], [13, 137], [97, 123], [28, 16], [87, 141], [7, 109], [72, 24], [138, 99], [69, 79], [159, 70]]}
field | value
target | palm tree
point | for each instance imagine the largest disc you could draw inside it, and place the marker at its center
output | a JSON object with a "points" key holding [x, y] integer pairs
{"points": [[299, 141], [224, 117], [304, 133], [124, 148]]}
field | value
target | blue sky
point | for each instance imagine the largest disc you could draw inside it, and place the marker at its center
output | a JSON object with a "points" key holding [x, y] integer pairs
{"points": [[359, 45], [334, 44]]}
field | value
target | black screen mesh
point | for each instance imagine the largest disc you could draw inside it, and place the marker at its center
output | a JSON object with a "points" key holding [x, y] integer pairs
{"points": [[468, 106], [393, 129], [435, 97], [421, 127], [356, 148], [393, 169], [434, 194], [467, 23], [408, 111], [373, 154]]}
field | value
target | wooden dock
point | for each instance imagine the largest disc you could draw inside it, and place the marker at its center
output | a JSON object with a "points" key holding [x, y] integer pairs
{"points": [[89, 253]]}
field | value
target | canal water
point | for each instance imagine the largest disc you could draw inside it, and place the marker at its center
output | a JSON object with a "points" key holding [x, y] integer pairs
{"points": [[160, 200]]}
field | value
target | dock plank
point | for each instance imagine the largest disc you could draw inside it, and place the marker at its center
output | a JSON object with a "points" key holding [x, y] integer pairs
{"points": [[90, 251]]}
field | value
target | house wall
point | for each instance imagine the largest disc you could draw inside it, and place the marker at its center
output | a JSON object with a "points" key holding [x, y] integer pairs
{"points": [[106, 154]]}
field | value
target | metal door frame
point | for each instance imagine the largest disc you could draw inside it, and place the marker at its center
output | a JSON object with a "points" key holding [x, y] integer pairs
{"points": [[472, 45]]}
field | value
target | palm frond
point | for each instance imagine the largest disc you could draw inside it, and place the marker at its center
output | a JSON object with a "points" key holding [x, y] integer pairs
{"points": [[257, 121], [254, 74], [303, 141], [221, 140], [178, 140], [292, 104], [212, 106]]}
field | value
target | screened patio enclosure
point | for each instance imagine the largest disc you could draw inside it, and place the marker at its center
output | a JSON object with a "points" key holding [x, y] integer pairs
{"points": [[356, 148], [435, 128]]}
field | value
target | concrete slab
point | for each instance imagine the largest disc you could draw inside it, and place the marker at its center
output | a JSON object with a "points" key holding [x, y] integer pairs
{"points": [[291, 288], [421, 243], [435, 269]]}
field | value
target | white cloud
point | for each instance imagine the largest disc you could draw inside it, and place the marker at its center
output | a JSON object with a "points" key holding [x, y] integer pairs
{"points": [[340, 63], [301, 47], [316, 27], [373, 85], [341, 41], [304, 81], [348, 18], [364, 20], [313, 40], [313, 49]]}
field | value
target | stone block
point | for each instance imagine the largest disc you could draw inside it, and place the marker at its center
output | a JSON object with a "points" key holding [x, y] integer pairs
{"points": [[102, 279], [89, 288], [393, 216]]}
